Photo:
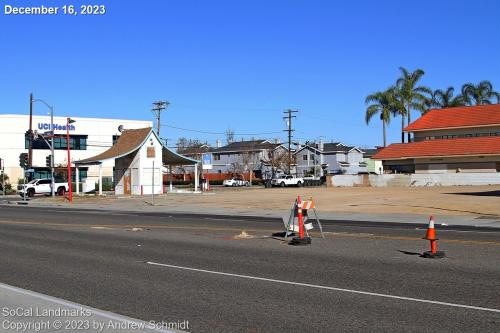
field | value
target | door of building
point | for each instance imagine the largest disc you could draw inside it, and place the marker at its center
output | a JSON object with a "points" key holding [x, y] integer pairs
{"points": [[127, 188]]}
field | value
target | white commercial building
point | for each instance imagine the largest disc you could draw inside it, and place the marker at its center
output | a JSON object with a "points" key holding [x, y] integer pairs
{"points": [[88, 137]]}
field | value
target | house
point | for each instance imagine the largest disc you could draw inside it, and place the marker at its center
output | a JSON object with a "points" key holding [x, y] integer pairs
{"points": [[372, 166], [261, 156], [195, 151], [328, 158], [459, 139]]}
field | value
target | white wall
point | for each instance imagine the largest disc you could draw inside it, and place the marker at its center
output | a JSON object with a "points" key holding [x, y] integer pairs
{"points": [[149, 176], [346, 180], [408, 180]]}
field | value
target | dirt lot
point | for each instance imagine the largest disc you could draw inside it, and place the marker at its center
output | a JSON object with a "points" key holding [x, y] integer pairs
{"points": [[463, 200]]}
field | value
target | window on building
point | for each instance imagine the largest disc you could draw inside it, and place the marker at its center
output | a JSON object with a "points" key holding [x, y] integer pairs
{"points": [[115, 138], [60, 175], [76, 142], [216, 157], [311, 157], [304, 157]]}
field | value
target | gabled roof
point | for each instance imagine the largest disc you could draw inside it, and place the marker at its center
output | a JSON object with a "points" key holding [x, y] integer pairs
{"points": [[457, 117], [337, 147], [480, 146], [334, 147], [368, 153], [251, 145], [131, 140]]}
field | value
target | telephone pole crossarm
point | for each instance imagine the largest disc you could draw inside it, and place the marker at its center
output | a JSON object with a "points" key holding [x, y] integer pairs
{"points": [[158, 107]]}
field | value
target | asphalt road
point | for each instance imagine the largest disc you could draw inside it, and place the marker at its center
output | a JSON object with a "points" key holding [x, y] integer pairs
{"points": [[171, 270]]}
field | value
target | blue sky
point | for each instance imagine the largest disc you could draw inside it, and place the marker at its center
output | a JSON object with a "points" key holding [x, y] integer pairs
{"points": [[239, 64]]}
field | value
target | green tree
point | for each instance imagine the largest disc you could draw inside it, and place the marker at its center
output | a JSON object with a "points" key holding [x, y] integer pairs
{"points": [[411, 95], [383, 103], [479, 94], [441, 99]]}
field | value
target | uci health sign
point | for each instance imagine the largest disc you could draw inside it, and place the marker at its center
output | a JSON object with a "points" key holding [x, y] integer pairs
{"points": [[206, 161], [55, 127]]}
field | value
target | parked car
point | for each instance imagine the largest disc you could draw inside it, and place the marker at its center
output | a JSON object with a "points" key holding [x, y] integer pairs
{"points": [[41, 186], [312, 181], [287, 180], [235, 182]]}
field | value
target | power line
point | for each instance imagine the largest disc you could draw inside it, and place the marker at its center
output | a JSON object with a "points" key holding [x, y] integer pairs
{"points": [[216, 133], [222, 108]]}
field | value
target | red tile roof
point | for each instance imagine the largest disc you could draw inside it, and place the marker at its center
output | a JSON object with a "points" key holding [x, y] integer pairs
{"points": [[462, 116], [486, 145]]}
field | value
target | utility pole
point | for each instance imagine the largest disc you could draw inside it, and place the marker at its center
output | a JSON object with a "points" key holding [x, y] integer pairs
{"points": [[2, 162], [289, 115], [30, 135], [158, 107]]}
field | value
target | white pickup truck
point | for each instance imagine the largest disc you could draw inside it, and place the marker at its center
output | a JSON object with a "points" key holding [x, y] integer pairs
{"points": [[287, 180], [41, 186]]}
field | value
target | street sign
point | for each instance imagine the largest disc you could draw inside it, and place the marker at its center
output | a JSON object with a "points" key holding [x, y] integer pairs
{"points": [[206, 161], [29, 170]]}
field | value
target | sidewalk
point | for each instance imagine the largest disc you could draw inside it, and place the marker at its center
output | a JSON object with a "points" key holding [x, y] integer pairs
{"points": [[26, 311]]}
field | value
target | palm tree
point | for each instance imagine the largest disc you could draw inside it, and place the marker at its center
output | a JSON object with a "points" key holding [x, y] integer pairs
{"points": [[380, 102], [479, 94], [411, 95], [441, 99]]}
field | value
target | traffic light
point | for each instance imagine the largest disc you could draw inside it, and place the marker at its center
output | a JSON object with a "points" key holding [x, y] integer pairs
{"points": [[28, 135], [23, 160], [48, 161]]}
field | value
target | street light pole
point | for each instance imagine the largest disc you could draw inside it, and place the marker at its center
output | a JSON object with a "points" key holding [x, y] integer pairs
{"points": [[70, 186], [52, 180], [3, 175]]}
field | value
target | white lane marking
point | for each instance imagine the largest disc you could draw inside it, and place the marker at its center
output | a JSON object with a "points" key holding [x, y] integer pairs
{"points": [[328, 288], [105, 314]]}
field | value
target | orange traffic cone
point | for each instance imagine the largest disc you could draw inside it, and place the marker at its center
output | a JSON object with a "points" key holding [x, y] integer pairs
{"points": [[431, 236], [301, 240]]}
